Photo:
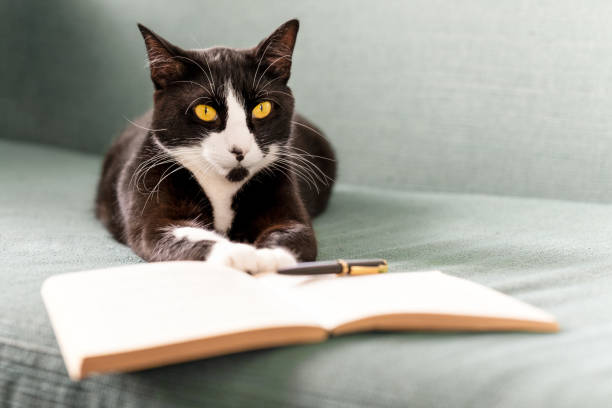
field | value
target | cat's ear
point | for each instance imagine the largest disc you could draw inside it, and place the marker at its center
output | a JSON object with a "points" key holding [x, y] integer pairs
{"points": [[275, 52], [165, 61]]}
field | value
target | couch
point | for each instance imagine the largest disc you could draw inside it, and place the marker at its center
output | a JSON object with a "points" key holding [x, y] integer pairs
{"points": [[485, 154]]}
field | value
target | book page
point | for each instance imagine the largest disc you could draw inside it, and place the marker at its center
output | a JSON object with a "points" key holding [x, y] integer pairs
{"points": [[135, 307], [337, 301]]}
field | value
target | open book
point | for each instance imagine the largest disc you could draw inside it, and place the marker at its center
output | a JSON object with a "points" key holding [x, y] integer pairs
{"points": [[147, 315]]}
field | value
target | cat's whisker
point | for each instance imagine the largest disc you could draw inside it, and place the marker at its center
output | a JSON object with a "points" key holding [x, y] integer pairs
{"points": [[146, 191], [312, 166], [165, 175], [313, 174], [309, 163], [143, 175], [149, 160], [306, 167], [155, 157], [265, 86], [288, 56], [307, 127], [264, 94], [191, 104], [210, 81], [143, 127], [285, 173], [303, 171], [311, 184], [208, 91], [306, 153], [146, 166], [281, 170], [211, 75], [259, 63], [195, 40], [160, 158], [280, 92], [304, 158], [264, 89], [158, 185], [290, 166]]}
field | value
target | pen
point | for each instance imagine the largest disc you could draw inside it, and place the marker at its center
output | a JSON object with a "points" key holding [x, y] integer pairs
{"points": [[339, 267]]}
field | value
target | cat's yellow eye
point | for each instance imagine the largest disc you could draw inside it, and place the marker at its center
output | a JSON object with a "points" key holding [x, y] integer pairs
{"points": [[205, 113], [262, 110]]}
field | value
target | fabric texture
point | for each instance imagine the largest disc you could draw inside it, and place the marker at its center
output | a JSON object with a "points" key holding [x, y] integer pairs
{"points": [[556, 255], [480, 96]]}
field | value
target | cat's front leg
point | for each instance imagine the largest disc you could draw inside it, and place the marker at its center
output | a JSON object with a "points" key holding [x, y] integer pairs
{"points": [[174, 240], [184, 241], [295, 237]]}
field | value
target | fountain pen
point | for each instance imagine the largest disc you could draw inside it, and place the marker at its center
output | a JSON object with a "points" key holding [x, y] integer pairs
{"points": [[338, 267]]}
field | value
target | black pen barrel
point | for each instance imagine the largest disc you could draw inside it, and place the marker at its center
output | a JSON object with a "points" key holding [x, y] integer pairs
{"points": [[312, 268]]}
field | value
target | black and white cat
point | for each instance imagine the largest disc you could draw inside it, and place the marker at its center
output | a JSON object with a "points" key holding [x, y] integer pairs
{"points": [[221, 169]]}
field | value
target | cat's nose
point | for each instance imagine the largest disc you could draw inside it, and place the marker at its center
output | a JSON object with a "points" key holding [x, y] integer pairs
{"points": [[239, 153]]}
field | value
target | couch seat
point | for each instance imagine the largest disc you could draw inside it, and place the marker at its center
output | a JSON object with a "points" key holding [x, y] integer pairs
{"points": [[556, 255]]}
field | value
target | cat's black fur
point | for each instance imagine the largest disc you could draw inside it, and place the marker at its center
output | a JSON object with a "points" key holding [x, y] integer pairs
{"points": [[272, 209]]}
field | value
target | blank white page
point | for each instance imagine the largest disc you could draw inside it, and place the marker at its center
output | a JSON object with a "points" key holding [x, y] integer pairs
{"points": [[339, 300], [139, 306]]}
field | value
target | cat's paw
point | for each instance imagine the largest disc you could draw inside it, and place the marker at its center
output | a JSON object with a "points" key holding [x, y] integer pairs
{"points": [[250, 259], [273, 259], [234, 255]]}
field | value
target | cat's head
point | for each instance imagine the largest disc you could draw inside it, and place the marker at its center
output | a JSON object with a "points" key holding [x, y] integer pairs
{"points": [[221, 109]]}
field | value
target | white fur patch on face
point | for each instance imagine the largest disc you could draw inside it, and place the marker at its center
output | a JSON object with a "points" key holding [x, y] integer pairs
{"points": [[217, 146], [250, 259]]}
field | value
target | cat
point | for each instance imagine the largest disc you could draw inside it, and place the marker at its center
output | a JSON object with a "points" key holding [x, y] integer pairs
{"points": [[221, 169]]}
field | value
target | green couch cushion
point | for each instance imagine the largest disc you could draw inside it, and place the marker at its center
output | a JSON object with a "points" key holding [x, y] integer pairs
{"points": [[481, 96], [553, 254]]}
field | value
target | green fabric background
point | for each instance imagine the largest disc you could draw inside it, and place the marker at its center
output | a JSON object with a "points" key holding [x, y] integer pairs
{"points": [[499, 97], [465, 100]]}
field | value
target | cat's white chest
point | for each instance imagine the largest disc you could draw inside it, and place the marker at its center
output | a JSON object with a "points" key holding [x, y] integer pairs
{"points": [[220, 193], [219, 190]]}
